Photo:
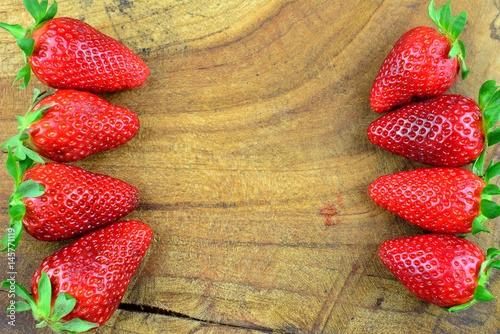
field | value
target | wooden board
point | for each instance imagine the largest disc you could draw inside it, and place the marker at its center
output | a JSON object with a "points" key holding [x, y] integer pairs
{"points": [[253, 133]]}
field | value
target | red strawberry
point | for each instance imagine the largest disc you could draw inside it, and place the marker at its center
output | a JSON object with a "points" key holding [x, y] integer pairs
{"points": [[445, 131], [81, 286], [448, 130], [68, 53], [423, 63], [75, 201], [444, 200], [441, 269], [78, 124]]}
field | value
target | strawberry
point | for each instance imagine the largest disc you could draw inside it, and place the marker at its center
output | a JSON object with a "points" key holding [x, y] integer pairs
{"points": [[444, 131], [75, 201], [441, 269], [76, 125], [68, 53], [439, 199], [448, 130], [423, 63], [80, 286], [55, 201]]}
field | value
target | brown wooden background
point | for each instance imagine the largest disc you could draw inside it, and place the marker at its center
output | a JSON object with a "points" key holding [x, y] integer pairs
{"points": [[253, 131]]}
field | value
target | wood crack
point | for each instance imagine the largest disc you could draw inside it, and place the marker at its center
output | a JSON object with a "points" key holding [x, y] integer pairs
{"points": [[157, 310]]}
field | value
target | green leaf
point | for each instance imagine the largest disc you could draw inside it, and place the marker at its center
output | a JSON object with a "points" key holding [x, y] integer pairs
{"points": [[27, 45], [15, 29], [465, 71], [17, 227], [51, 13], [33, 155], [491, 114], [492, 253], [495, 99], [63, 306], [11, 239], [486, 92], [433, 13], [44, 295], [17, 211], [40, 97], [495, 264], [41, 324], [455, 50], [37, 114], [43, 5], [25, 74], [20, 122], [12, 142], [478, 166], [489, 209], [458, 25], [20, 153], [34, 8], [29, 188], [35, 94], [11, 165], [477, 225], [492, 171], [491, 189], [25, 164], [5, 241], [21, 292], [482, 294], [78, 325], [463, 51], [33, 117], [21, 306], [494, 137], [444, 15]]}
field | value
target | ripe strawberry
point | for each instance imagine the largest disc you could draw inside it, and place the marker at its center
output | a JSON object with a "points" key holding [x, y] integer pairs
{"points": [[55, 201], [68, 53], [80, 286], [448, 130], [441, 269], [76, 125], [75, 201], [444, 131], [423, 63], [438, 199]]}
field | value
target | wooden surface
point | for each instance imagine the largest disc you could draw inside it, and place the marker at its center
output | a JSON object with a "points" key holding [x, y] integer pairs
{"points": [[253, 134]]}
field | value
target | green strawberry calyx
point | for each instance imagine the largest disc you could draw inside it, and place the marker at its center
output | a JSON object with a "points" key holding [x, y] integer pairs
{"points": [[19, 159], [489, 209], [43, 312], [41, 13], [16, 143], [451, 27], [17, 209], [489, 103], [481, 294]]}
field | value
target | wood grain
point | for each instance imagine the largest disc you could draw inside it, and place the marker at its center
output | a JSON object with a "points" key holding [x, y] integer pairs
{"points": [[253, 129]]}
